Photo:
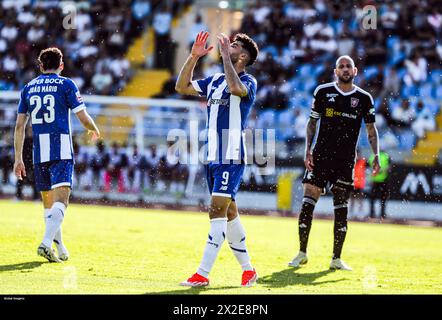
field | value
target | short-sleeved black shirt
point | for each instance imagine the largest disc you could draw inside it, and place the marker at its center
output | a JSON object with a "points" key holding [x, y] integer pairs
{"points": [[340, 115]]}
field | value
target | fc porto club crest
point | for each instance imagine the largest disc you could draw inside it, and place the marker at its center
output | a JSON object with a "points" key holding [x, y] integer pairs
{"points": [[354, 102]]}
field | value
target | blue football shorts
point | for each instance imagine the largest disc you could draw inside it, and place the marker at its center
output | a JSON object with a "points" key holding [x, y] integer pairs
{"points": [[224, 179], [53, 174]]}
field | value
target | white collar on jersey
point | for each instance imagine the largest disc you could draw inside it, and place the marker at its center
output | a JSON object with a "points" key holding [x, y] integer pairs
{"points": [[345, 93]]}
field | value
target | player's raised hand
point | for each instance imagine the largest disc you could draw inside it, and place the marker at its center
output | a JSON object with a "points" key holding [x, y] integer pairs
{"points": [[19, 170], [224, 45], [199, 46], [376, 166], [308, 161]]}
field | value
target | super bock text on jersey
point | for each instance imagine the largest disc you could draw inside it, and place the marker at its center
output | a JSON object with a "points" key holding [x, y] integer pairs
{"points": [[340, 116], [226, 120], [48, 99]]}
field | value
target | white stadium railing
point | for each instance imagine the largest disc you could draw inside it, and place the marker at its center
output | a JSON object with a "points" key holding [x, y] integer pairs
{"points": [[153, 118]]}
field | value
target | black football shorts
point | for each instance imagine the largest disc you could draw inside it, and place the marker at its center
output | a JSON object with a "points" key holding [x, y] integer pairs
{"points": [[330, 173]]}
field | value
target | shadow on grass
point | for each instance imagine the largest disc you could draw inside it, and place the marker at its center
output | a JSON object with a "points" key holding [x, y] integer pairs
{"points": [[22, 266], [289, 277], [190, 290]]}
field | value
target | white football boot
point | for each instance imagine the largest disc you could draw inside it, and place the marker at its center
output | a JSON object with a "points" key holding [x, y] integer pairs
{"points": [[63, 253], [338, 264], [47, 253], [300, 259]]}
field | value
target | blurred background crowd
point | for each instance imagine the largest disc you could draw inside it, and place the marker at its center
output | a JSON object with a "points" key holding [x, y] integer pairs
{"points": [[399, 63]]}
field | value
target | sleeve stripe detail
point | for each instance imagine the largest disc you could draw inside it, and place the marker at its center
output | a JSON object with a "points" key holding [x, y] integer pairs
{"points": [[325, 85], [79, 108], [196, 86], [366, 93]]}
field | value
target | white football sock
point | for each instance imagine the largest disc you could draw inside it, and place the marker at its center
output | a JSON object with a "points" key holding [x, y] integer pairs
{"points": [[217, 235], [236, 236], [58, 240], [53, 222]]}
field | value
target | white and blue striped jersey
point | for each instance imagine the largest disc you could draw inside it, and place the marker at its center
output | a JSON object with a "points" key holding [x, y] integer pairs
{"points": [[226, 116], [48, 99]]}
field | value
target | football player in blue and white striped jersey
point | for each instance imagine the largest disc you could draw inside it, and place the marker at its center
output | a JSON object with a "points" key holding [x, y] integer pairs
{"points": [[48, 101], [230, 96]]}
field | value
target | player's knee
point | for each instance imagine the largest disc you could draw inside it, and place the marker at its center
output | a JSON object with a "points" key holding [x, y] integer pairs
{"points": [[219, 207], [61, 194], [232, 213], [312, 191], [340, 197]]}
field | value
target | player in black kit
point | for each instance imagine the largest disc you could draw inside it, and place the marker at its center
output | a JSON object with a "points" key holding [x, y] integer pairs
{"points": [[341, 106]]}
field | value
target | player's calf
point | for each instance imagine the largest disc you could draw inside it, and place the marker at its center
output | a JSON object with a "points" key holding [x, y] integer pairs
{"points": [[340, 201]]}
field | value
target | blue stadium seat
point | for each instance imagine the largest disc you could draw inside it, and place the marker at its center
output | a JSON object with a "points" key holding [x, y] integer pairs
{"points": [[271, 49], [317, 70], [436, 76], [370, 72], [266, 119], [433, 106], [407, 139], [426, 90], [396, 58], [305, 70], [408, 91], [439, 93], [285, 122]]}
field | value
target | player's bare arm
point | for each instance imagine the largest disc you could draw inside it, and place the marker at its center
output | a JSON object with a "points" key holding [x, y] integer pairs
{"points": [[183, 84], [19, 136], [311, 130], [89, 124], [234, 83], [373, 139]]}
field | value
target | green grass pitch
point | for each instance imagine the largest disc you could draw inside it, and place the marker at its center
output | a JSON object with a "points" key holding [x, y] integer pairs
{"points": [[137, 251]]}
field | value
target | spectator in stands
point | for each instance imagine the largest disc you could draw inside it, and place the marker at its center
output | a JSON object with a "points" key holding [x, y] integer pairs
{"points": [[390, 18], [357, 198], [404, 114], [298, 123], [196, 28], [118, 161], [384, 122], [9, 31], [6, 161], [379, 189], [435, 21], [81, 165], [391, 83], [152, 168], [416, 69], [424, 120], [172, 170], [162, 24], [134, 170], [98, 163], [119, 66], [102, 81]]}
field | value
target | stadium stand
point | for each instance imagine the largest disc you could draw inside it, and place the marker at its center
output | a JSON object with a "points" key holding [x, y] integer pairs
{"points": [[399, 64], [112, 52]]}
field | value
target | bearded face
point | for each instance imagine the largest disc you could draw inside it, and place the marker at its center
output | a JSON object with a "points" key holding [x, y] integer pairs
{"points": [[345, 71]]}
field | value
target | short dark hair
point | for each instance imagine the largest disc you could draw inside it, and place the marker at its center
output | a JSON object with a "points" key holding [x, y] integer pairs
{"points": [[50, 58], [249, 45]]}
